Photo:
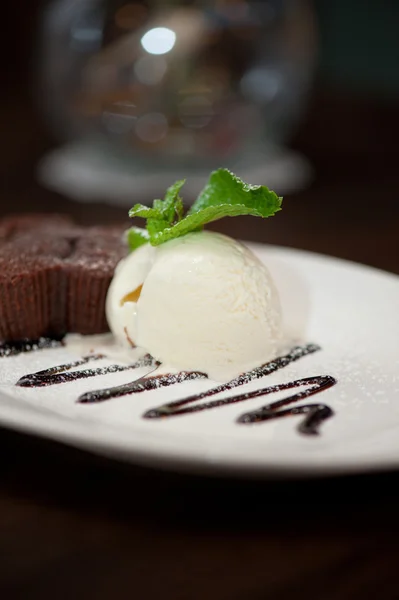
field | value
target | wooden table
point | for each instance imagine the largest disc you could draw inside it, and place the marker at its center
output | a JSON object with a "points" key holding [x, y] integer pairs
{"points": [[76, 526]]}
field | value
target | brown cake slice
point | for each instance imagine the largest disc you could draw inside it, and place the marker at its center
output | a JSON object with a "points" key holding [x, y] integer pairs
{"points": [[89, 272], [54, 276]]}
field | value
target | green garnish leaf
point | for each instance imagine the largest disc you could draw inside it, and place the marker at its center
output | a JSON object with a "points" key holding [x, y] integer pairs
{"points": [[225, 195], [224, 189], [137, 237], [163, 210]]}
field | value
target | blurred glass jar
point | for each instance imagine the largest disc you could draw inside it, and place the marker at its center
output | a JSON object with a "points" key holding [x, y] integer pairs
{"points": [[177, 82]]}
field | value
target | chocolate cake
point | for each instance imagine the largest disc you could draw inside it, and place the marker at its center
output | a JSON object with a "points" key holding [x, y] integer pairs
{"points": [[54, 276]]}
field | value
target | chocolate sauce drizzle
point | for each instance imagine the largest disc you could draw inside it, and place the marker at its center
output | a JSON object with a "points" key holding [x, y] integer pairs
{"points": [[144, 384], [314, 414], [15, 348], [60, 374]]}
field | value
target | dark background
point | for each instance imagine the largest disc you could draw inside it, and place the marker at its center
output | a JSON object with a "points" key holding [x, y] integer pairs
{"points": [[349, 133], [76, 526]]}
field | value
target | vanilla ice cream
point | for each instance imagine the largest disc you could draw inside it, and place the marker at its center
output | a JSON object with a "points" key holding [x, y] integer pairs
{"points": [[201, 302]]}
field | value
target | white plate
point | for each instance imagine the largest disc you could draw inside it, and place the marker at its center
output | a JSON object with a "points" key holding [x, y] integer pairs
{"points": [[350, 310]]}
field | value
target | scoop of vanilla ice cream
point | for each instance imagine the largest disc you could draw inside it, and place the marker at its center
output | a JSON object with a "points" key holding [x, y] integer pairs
{"points": [[201, 302]]}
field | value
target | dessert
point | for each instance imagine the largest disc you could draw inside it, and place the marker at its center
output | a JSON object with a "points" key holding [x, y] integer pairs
{"points": [[54, 276], [185, 305], [200, 302], [197, 300]]}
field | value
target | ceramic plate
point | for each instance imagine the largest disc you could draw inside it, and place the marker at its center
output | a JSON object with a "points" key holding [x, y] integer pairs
{"points": [[347, 313]]}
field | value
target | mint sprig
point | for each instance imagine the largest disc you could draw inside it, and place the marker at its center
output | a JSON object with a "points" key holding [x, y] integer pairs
{"points": [[225, 195]]}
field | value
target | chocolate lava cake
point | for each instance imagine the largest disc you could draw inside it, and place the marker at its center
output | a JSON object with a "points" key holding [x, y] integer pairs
{"points": [[54, 276]]}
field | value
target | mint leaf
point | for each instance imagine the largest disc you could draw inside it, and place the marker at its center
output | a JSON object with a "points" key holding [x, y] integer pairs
{"points": [[140, 210], [162, 216], [163, 210], [195, 222], [225, 195], [226, 189], [172, 206], [137, 237]]}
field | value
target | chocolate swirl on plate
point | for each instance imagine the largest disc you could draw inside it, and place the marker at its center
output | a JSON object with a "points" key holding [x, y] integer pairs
{"points": [[14, 348], [314, 414], [61, 374]]}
